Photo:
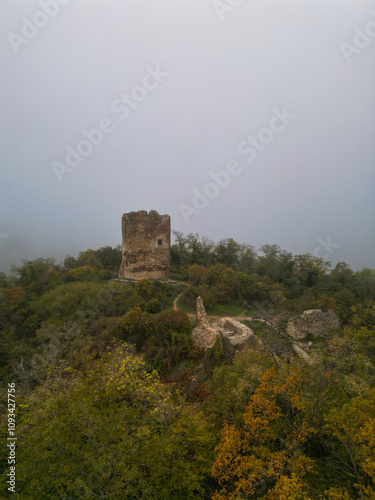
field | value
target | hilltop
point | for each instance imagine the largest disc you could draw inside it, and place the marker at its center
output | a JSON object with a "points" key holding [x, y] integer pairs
{"points": [[115, 400]]}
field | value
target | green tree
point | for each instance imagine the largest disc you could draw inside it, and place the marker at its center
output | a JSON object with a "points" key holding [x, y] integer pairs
{"points": [[170, 341], [89, 258], [247, 259], [115, 433], [109, 257], [136, 326], [191, 249], [81, 273], [364, 284], [228, 253], [36, 276]]}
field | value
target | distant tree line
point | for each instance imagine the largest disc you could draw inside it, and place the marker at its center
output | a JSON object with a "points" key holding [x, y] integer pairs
{"points": [[307, 279]]}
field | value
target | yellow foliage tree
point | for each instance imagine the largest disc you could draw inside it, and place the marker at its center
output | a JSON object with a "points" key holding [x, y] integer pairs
{"points": [[265, 457], [353, 426]]}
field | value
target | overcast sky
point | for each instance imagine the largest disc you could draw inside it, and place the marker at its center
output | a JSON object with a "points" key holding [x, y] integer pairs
{"points": [[178, 90]]}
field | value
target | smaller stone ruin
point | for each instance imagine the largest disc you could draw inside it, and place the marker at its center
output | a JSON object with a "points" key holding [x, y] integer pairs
{"points": [[234, 335], [314, 321]]}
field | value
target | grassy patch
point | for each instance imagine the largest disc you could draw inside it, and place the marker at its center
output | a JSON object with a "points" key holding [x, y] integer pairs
{"points": [[220, 310], [185, 307]]}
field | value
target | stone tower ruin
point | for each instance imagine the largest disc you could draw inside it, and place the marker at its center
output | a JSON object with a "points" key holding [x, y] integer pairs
{"points": [[146, 240]]}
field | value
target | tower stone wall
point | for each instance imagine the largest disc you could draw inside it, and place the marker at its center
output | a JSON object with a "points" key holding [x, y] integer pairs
{"points": [[146, 241]]}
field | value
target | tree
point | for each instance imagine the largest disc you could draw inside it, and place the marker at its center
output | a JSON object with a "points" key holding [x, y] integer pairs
{"points": [[351, 353], [231, 385], [310, 271], [15, 295], [365, 284], [196, 273], [266, 455], [3, 280], [170, 341], [228, 252], [80, 273], [116, 432], [70, 262], [342, 274], [191, 249], [35, 275], [268, 263], [109, 257], [353, 430], [65, 300], [136, 326], [89, 258], [247, 259]]}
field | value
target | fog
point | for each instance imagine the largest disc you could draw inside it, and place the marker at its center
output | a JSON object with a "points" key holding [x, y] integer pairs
{"points": [[251, 120]]}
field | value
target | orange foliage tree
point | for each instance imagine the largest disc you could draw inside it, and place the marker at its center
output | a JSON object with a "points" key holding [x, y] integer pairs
{"points": [[15, 295], [265, 457]]}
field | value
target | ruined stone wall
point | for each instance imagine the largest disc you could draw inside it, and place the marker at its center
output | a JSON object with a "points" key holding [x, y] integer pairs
{"points": [[314, 321], [146, 240]]}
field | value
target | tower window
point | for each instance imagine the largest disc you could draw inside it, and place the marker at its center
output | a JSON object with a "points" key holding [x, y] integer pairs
{"points": [[160, 241]]}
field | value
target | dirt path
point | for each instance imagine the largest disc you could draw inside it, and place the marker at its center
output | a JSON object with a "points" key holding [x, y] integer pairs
{"points": [[279, 317], [175, 308]]}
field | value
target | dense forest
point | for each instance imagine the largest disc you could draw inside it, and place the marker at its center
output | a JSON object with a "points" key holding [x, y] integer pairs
{"points": [[114, 401]]}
